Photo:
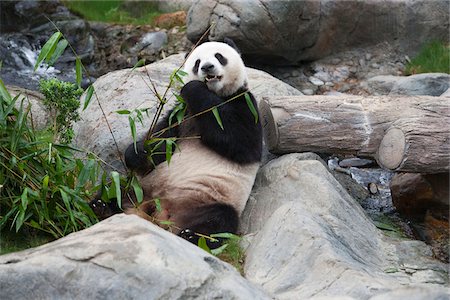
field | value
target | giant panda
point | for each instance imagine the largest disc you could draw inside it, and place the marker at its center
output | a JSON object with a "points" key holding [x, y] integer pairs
{"points": [[206, 185]]}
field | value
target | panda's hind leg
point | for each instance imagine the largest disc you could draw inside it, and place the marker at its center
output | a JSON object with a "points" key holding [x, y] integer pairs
{"points": [[206, 220]]}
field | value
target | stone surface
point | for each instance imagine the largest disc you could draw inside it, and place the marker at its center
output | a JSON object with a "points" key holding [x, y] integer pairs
{"points": [[123, 257], [127, 89], [32, 100], [432, 84], [293, 31], [309, 238]]}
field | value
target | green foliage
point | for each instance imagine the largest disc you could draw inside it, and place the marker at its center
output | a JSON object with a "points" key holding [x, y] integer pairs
{"points": [[62, 101], [434, 57], [42, 185], [115, 11], [230, 251]]}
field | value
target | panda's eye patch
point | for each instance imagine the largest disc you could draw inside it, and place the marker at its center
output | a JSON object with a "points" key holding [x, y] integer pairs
{"points": [[223, 61], [195, 68]]}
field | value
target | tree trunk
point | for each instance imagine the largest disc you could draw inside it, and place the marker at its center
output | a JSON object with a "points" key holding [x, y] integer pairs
{"points": [[354, 124]]}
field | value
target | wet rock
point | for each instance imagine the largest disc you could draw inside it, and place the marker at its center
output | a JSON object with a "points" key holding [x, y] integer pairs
{"points": [[123, 257], [21, 43]]}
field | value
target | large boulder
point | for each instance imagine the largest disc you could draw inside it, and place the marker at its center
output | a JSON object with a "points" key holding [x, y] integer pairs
{"points": [[130, 89], [124, 257], [293, 31], [308, 238]]}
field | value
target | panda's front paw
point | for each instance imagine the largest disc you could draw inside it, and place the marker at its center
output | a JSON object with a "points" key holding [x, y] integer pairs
{"points": [[193, 89], [101, 209], [188, 235]]}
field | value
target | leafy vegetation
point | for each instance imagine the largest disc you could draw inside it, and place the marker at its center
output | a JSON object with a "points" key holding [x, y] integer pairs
{"points": [[62, 101], [42, 185], [115, 11], [434, 57]]}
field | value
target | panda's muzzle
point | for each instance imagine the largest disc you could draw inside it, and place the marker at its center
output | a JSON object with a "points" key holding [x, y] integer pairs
{"points": [[209, 78]]}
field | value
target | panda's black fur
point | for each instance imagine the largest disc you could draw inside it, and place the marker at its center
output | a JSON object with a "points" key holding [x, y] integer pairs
{"points": [[234, 152]]}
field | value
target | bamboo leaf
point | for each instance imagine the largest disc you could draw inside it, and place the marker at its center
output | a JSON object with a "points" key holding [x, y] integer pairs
{"points": [[123, 112], [24, 199], [89, 93], [202, 244], [133, 132], [116, 180], [158, 204], [215, 111], [48, 49], [78, 71], [251, 107], [169, 150], [219, 250], [226, 235], [137, 189], [140, 63], [4, 93], [62, 44], [169, 223], [181, 73], [66, 201]]}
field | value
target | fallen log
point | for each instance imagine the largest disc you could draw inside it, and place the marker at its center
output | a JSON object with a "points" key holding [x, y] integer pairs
{"points": [[349, 124], [413, 144]]}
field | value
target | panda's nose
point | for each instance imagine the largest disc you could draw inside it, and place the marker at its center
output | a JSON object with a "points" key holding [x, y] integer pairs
{"points": [[207, 67]]}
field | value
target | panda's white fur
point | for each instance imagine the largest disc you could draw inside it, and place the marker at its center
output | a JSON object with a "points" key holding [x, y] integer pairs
{"points": [[194, 176]]}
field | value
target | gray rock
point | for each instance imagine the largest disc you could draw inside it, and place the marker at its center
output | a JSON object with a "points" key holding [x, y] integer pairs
{"points": [[315, 81], [123, 257], [127, 89], [293, 31], [381, 85], [432, 84], [311, 239], [149, 44]]}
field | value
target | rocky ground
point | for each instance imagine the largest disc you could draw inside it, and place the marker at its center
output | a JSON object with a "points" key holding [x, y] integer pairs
{"points": [[344, 72]]}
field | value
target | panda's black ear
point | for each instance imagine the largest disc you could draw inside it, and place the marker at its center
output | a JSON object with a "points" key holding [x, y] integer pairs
{"points": [[231, 43]]}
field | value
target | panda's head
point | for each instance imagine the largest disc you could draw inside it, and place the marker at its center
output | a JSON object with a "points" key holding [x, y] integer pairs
{"points": [[219, 65]]}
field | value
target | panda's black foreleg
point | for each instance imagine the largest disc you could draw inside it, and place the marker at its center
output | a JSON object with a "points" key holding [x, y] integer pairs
{"points": [[138, 159], [240, 139], [207, 220]]}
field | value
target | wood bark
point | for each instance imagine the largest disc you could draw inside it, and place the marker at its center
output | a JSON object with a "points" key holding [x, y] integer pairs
{"points": [[354, 124]]}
